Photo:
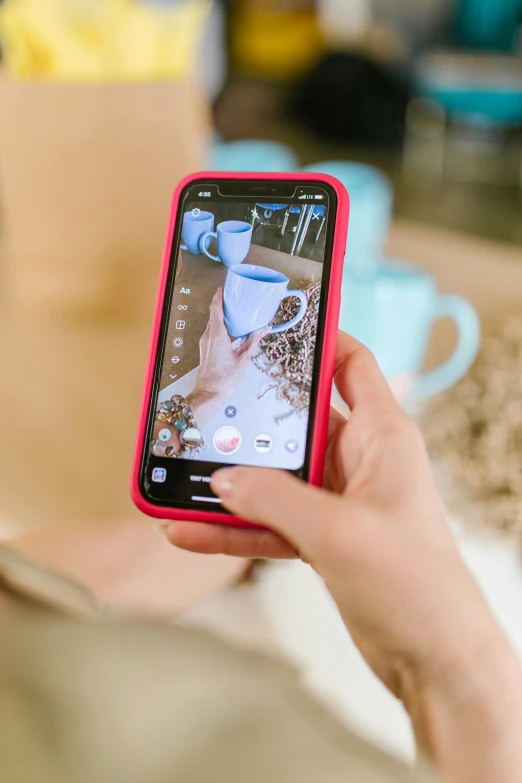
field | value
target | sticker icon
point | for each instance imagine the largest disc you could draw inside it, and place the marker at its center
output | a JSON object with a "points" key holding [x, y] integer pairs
{"points": [[180, 325], [159, 475], [263, 444], [227, 440]]}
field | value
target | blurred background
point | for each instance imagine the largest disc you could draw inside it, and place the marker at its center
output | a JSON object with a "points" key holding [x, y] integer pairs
{"points": [[415, 105]]}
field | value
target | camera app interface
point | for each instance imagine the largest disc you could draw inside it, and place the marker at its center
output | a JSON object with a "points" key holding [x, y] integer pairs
{"points": [[238, 365]]}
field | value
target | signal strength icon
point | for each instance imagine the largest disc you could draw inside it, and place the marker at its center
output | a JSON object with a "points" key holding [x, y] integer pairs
{"points": [[303, 197]]}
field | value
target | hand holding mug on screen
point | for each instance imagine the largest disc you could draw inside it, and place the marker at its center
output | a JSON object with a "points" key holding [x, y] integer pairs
{"points": [[253, 296], [222, 365], [233, 238]]}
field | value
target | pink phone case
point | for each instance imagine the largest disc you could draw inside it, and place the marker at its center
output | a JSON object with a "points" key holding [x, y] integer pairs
{"points": [[326, 372]]}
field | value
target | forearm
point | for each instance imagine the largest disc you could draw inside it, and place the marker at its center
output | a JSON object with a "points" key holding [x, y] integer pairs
{"points": [[467, 716], [205, 406], [130, 567]]}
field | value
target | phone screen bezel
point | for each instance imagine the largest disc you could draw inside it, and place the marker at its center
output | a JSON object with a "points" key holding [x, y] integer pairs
{"points": [[237, 190]]}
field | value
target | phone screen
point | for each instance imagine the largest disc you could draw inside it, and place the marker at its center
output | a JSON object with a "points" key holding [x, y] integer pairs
{"points": [[241, 335]]}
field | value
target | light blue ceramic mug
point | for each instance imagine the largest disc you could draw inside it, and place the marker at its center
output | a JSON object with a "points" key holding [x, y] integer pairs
{"points": [[253, 155], [233, 237], [392, 312], [195, 224], [252, 297], [371, 209]]}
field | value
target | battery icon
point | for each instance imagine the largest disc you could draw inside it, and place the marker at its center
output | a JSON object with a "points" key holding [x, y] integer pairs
{"points": [[319, 198]]}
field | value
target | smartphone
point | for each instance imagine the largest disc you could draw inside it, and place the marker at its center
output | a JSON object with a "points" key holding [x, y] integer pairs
{"points": [[243, 346]]}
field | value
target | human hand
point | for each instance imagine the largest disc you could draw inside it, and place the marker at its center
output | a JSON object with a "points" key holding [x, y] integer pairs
{"points": [[222, 367], [380, 540], [377, 537]]}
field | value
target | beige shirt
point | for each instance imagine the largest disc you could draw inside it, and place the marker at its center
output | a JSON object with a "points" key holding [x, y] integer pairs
{"points": [[85, 700]]}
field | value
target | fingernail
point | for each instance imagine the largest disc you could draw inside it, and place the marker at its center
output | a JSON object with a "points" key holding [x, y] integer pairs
{"points": [[161, 527], [224, 481]]}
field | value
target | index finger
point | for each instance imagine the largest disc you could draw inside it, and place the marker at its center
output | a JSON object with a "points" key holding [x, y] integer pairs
{"points": [[235, 542]]}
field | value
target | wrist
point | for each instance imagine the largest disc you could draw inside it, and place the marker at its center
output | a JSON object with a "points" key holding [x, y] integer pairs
{"points": [[205, 405], [200, 397], [466, 709]]}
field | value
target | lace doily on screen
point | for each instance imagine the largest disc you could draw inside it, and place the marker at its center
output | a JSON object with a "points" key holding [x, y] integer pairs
{"points": [[288, 358], [474, 434]]}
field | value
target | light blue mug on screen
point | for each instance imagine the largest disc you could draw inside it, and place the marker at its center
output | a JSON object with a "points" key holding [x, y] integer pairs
{"points": [[252, 297], [233, 237], [392, 312], [195, 224]]}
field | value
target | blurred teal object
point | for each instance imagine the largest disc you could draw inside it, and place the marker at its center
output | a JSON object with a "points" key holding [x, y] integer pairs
{"points": [[504, 108], [488, 24], [253, 155], [392, 312], [478, 89], [371, 209]]}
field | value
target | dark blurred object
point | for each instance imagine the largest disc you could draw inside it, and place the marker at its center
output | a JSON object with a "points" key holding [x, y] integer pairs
{"points": [[350, 98]]}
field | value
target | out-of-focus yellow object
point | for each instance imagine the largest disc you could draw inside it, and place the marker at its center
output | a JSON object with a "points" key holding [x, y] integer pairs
{"points": [[101, 40], [276, 43]]}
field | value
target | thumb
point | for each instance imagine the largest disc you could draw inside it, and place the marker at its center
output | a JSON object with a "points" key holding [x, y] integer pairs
{"points": [[358, 378], [275, 499]]}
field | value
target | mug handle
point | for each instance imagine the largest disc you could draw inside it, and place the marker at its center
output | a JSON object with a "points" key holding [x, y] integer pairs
{"points": [[448, 374], [298, 318], [203, 245]]}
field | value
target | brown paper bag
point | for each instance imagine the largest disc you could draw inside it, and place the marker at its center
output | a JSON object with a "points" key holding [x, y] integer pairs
{"points": [[86, 177]]}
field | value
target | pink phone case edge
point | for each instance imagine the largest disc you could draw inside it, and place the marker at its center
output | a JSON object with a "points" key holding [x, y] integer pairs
{"points": [[326, 371]]}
